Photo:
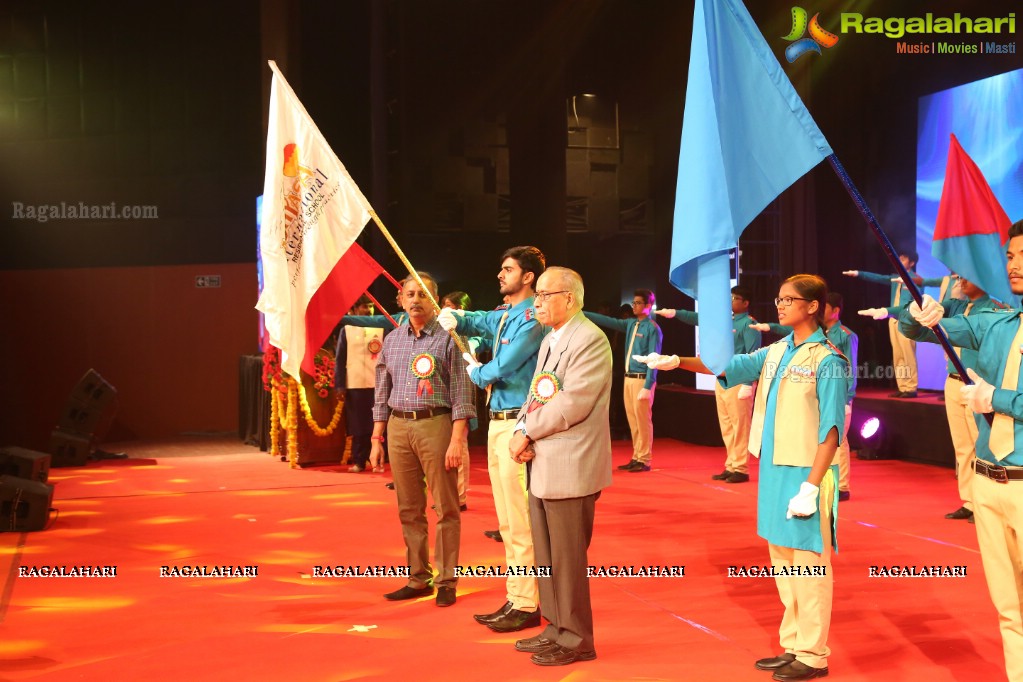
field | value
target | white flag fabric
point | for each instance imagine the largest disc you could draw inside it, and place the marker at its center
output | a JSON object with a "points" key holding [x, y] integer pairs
{"points": [[312, 214]]}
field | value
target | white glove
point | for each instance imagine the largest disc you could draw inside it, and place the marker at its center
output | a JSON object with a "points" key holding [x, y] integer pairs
{"points": [[760, 326], [665, 312], [447, 320], [851, 273], [644, 394], [977, 395], [876, 313], [745, 392], [928, 315], [805, 501], [471, 363], [658, 361]]}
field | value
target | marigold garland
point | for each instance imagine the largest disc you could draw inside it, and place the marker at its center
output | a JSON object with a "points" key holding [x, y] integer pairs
{"points": [[275, 422], [292, 423], [311, 422], [290, 397]]}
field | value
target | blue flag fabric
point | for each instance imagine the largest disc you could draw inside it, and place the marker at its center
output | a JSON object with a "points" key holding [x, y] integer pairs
{"points": [[746, 136]]}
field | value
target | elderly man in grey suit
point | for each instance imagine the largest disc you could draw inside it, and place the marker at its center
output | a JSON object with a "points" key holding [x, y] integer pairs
{"points": [[566, 438]]}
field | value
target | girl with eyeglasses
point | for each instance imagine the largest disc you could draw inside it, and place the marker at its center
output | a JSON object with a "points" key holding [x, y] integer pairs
{"points": [[798, 415]]}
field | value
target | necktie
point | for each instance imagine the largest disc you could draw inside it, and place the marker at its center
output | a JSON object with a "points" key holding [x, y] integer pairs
{"points": [[1002, 439], [493, 353]]}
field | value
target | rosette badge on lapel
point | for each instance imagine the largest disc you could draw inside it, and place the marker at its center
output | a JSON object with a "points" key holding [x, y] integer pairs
{"points": [[374, 347], [544, 387], [424, 366]]}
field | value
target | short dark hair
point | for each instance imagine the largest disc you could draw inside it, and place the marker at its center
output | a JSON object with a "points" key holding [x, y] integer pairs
{"points": [[645, 294], [459, 298], [913, 257], [743, 292], [427, 278], [363, 300], [1016, 229], [835, 300], [529, 258]]}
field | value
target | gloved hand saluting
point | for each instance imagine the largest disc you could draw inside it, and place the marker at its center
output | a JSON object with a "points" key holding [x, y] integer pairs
{"points": [[851, 273], [658, 361], [977, 395], [805, 501], [876, 313], [929, 314], [760, 326], [665, 312], [447, 320]]}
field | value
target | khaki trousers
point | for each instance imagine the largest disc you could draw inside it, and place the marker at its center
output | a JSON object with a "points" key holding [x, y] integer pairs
{"points": [[511, 500], [903, 358], [417, 448], [463, 474], [641, 421], [807, 599], [998, 511], [734, 417], [964, 439]]}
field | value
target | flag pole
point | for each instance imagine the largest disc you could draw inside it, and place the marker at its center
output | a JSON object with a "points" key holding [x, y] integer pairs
{"points": [[381, 309], [893, 258], [415, 275]]}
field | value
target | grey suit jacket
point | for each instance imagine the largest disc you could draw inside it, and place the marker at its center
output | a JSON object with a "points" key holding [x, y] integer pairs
{"points": [[571, 432]]}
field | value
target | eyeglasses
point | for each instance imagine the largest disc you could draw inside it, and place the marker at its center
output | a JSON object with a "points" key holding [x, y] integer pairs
{"points": [[786, 301], [639, 303], [542, 297]]}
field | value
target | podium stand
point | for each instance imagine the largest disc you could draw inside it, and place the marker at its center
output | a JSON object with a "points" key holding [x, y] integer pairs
{"points": [[311, 448]]}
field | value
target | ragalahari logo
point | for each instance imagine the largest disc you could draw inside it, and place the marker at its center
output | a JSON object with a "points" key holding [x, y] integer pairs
{"points": [[818, 36]]}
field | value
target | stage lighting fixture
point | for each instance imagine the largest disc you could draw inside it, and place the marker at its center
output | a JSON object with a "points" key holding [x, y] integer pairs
{"points": [[871, 438]]}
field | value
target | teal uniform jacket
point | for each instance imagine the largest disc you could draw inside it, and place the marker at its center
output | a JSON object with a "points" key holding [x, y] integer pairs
{"points": [[955, 306], [991, 333], [844, 339], [744, 338], [894, 281], [779, 483], [648, 340], [474, 342], [511, 369]]}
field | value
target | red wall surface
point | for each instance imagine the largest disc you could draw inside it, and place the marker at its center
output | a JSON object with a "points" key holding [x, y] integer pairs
{"points": [[170, 348]]}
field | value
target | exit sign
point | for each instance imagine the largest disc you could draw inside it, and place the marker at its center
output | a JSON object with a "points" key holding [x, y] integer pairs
{"points": [[207, 281]]}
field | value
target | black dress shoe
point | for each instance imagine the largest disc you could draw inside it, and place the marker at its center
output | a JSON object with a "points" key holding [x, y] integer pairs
{"points": [[491, 617], [534, 645], [638, 467], [494, 535], [627, 465], [959, 514], [774, 663], [561, 656], [798, 671], [722, 476], [737, 477], [389, 486], [905, 394], [445, 596], [844, 495], [409, 593], [463, 507], [515, 620], [897, 394]]}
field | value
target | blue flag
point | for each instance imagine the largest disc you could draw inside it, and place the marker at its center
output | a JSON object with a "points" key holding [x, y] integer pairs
{"points": [[746, 136]]}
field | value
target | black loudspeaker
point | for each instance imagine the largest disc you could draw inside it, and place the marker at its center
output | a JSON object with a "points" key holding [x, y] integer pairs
{"points": [[70, 449], [86, 417], [24, 504], [89, 408], [23, 463]]}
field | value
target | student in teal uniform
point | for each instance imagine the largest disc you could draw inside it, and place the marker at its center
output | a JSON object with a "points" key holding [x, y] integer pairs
{"points": [[642, 336], [735, 404], [797, 426], [997, 335], [903, 349], [846, 341]]}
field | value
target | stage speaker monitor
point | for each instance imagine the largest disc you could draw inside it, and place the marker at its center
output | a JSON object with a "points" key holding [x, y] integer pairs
{"points": [[24, 504], [70, 449], [90, 406], [23, 463]]}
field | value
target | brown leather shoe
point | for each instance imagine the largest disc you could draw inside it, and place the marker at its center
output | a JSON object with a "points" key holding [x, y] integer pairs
{"points": [[409, 593], [534, 645], [445, 596]]}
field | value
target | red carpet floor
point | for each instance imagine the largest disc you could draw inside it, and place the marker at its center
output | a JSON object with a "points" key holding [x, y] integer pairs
{"points": [[218, 502]]}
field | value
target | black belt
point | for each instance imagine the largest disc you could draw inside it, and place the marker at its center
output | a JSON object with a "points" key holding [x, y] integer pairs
{"points": [[956, 377], [998, 473], [421, 414], [635, 375], [504, 414]]}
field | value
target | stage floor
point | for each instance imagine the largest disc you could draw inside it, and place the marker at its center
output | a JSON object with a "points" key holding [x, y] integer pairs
{"points": [[217, 502]]}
